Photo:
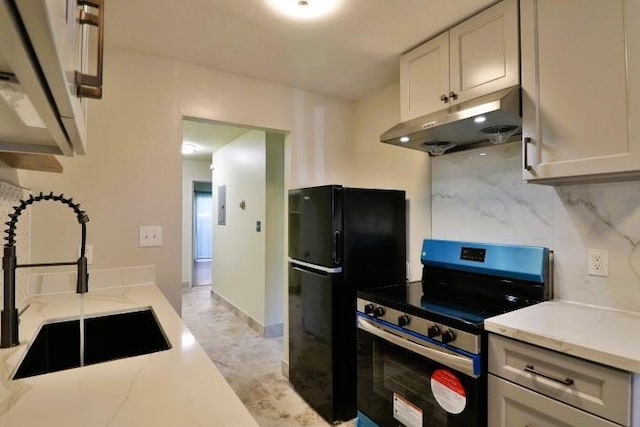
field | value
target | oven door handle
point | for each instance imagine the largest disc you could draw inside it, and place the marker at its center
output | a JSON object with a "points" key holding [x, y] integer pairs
{"points": [[461, 363]]}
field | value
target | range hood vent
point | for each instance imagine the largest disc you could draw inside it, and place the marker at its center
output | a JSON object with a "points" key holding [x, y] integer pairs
{"points": [[489, 119]]}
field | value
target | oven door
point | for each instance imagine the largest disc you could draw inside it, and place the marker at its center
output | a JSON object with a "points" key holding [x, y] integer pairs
{"points": [[404, 380]]}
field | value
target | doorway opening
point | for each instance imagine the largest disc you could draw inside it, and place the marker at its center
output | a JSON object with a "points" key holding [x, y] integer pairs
{"points": [[202, 233], [242, 213]]}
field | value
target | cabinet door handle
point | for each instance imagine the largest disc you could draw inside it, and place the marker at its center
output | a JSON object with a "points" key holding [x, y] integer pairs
{"points": [[444, 98], [530, 369], [453, 95], [525, 153], [87, 85]]}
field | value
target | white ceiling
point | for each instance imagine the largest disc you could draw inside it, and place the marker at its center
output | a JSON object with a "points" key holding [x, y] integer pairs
{"points": [[349, 54], [207, 137]]}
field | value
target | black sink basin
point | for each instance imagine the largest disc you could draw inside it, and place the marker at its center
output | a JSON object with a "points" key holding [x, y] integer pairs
{"points": [[110, 337]]}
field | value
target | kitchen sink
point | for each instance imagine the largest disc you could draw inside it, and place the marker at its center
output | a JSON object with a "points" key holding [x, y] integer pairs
{"points": [[108, 337]]}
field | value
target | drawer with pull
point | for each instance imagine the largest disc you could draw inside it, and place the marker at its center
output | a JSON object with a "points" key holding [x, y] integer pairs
{"points": [[586, 385], [511, 405]]}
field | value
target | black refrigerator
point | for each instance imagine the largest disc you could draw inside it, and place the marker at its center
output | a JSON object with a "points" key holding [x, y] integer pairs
{"points": [[340, 240]]}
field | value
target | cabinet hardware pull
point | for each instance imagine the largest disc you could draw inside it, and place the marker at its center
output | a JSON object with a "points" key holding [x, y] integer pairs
{"points": [[444, 98], [87, 85], [453, 95], [525, 153], [530, 369]]}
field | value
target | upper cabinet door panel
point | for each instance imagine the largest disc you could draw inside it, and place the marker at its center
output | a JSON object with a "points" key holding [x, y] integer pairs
{"points": [[580, 105], [582, 79], [61, 46], [424, 78], [485, 53]]}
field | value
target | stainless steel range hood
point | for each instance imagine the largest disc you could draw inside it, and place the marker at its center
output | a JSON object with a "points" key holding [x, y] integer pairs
{"points": [[492, 118]]}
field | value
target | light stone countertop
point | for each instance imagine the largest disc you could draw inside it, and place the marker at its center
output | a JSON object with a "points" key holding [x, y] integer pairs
{"points": [[176, 387], [607, 336]]}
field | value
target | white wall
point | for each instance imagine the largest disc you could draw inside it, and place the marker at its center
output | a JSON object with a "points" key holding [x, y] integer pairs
{"points": [[378, 165], [239, 265], [8, 174], [131, 175], [274, 229], [192, 170]]}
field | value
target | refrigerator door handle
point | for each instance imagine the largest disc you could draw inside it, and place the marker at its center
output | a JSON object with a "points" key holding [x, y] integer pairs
{"points": [[309, 266], [337, 245], [305, 270]]}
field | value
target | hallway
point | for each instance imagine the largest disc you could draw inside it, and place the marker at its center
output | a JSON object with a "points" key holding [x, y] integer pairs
{"points": [[201, 272], [250, 363]]}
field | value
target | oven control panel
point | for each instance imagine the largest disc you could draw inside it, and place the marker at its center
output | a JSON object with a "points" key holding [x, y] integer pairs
{"points": [[436, 331], [473, 254]]}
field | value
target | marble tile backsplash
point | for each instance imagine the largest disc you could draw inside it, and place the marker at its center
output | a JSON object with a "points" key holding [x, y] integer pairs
{"points": [[603, 216], [10, 196], [65, 281], [478, 195]]}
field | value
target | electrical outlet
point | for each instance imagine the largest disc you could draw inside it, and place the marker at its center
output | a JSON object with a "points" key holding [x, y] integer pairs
{"points": [[150, 235], [598, 262]]}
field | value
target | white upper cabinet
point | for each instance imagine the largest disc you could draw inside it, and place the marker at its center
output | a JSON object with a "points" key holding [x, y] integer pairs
{"points": [[580, 94], [476, 57], [44, 54], [484, 53], [424, 78], [59, 34]]}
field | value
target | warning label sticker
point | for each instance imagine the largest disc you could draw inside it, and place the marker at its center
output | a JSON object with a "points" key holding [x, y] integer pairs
{"points": [[448, 391], [406, 412]]}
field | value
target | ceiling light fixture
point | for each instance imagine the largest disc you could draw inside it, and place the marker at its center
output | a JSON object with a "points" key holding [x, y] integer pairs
{"points": [[188, 149], [304, 9], [480, 119], [404, 139]]}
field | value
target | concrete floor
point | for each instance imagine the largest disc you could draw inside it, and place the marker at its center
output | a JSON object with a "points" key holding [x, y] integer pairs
{"points": [[250, 363]]}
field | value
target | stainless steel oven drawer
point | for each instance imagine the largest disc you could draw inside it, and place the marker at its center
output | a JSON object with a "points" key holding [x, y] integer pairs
{"points": [[511, 405], [589, 386]]}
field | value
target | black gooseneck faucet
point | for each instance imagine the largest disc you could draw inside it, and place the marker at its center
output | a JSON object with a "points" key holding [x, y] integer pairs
{"points": [[9, 315]]}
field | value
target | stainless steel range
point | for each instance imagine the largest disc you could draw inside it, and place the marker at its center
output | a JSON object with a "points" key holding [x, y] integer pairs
{"points": [[422, 345]]}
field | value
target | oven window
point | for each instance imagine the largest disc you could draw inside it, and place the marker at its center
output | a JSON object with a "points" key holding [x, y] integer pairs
{"points": [[397, 387]]}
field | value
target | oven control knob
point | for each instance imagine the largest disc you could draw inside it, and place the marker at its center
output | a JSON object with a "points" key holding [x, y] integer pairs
{"points": [[448, 336], [368, 309], [378, 312], [433, 331], [403, 320]]}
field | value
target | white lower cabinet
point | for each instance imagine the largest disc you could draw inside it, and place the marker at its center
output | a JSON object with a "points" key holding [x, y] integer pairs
{"points": [[511, 405], [531, 386]]}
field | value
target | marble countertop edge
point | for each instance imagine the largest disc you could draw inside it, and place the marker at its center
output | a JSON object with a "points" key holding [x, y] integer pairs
{"points": [[599, 334], [178, 386]]}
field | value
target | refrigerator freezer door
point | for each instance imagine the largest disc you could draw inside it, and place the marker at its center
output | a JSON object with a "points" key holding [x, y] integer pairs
{"points": [[310, 347], [320, 367], [315, 225]]}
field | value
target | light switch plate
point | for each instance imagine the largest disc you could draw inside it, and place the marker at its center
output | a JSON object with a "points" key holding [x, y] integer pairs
{"points": [[150, 235]]}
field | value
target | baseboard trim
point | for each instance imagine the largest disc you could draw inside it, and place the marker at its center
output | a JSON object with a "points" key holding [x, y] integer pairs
{"points": [[269, 331], [273, 331]]}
